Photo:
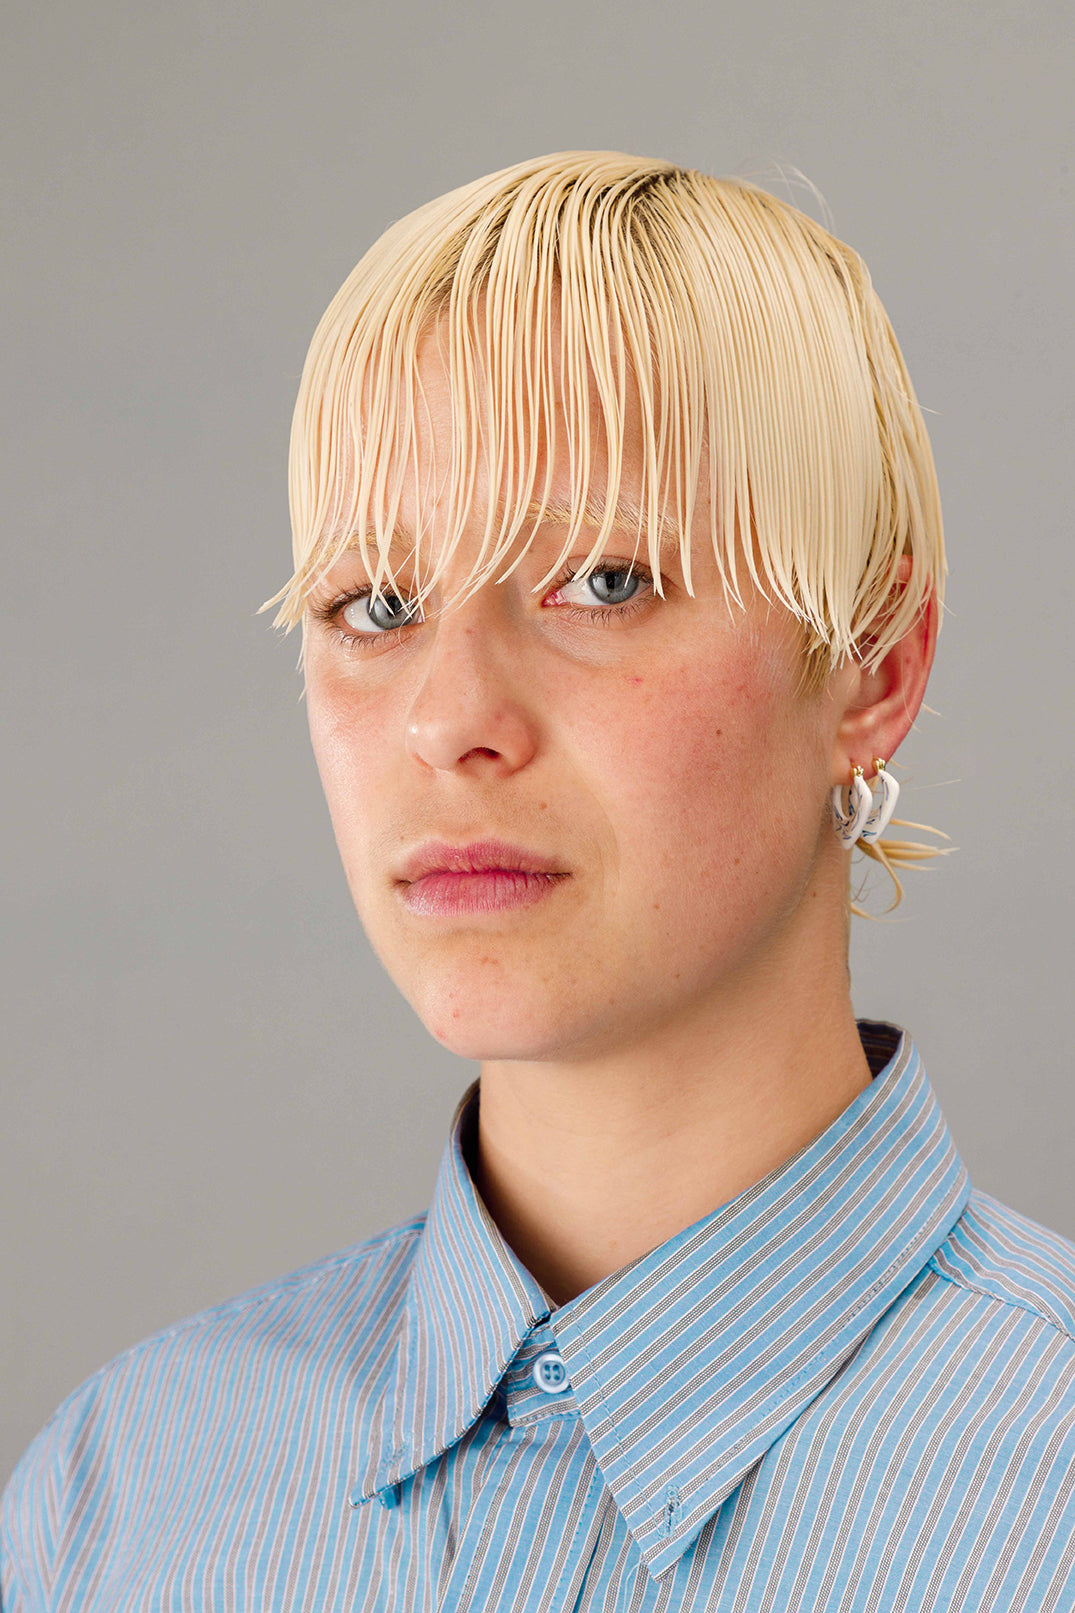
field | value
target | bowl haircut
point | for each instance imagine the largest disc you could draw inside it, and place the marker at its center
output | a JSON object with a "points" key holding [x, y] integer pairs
{"points": [[746, 340]]}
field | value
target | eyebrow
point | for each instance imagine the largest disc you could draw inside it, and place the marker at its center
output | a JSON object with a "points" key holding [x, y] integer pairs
{"points": [[627, 517]]}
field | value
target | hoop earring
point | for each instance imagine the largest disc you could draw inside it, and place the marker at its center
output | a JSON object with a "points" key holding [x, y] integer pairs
{"points": [[849, 825], [878, 820]]}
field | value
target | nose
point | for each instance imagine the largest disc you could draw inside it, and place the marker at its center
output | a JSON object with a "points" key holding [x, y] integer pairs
{"points": [[470, 710]]}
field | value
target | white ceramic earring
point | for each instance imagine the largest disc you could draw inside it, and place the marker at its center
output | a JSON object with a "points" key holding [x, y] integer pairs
{"points": [[848, 825], [877, 822]]}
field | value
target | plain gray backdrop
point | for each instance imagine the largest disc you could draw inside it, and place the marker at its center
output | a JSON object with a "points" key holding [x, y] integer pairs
{"points": [[209, 1079]]}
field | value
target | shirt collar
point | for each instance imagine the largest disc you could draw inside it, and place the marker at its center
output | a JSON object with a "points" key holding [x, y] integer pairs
{"points": [[688, 1364]]}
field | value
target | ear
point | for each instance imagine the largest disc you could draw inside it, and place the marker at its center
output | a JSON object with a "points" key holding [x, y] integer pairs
{"points": [[878, 708]]}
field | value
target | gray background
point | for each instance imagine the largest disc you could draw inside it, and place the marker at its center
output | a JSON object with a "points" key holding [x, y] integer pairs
{"points": [[208, 1077]]}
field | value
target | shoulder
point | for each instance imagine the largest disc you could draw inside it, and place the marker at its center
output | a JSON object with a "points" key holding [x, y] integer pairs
{"points": [[245, 1369], [988, 1346], [995, 1252], [361, 1287], [298, 1314]]}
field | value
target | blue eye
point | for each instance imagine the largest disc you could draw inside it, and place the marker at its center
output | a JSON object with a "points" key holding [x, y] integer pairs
{"points": [[623, 579], [379, 612]]}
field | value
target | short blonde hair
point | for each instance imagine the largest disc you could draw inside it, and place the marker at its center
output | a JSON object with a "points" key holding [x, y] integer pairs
{"points": [[751, 340]]}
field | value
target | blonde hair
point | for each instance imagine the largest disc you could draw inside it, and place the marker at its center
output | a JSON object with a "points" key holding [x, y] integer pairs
{"points": [[751, 340]]}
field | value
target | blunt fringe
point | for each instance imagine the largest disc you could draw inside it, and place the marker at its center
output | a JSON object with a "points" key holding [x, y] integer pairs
{"points": [[750, 342]]}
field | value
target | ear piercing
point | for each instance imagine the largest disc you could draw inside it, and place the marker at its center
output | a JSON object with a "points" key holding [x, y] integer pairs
{"points": [[864, 819]]}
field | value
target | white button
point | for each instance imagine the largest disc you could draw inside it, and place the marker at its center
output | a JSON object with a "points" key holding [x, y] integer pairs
{"points": [[550, 1373]]}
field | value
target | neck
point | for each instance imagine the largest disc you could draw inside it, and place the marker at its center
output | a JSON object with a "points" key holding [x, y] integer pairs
{"points": [[587, 1166]]}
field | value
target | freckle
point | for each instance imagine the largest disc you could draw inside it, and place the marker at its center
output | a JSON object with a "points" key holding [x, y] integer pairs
{"points": [[542, 806], [736, 862], [656, 907], [719, 732]]}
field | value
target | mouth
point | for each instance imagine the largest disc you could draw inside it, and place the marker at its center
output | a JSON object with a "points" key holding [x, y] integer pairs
{"points": [[480, 857], [486, 876]]}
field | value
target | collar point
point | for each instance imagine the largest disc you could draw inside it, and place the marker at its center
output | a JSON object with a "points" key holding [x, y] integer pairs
{"points": [[386, 1493], [662, 1559]]}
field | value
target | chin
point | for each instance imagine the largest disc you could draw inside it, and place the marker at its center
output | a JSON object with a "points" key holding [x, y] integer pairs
{"points": [[499, 1025], [491, 1037]]}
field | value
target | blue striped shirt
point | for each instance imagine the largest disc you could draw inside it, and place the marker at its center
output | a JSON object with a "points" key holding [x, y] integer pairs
{"points": [[852, 1387]]}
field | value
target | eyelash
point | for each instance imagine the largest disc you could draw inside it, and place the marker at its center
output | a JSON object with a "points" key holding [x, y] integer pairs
{"points": [[365, 642]]}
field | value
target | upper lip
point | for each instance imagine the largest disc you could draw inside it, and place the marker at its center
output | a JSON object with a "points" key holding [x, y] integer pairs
{"points": [[437, 856]]}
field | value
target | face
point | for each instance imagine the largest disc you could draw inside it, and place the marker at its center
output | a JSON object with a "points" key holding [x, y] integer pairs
{"points": [[653, 752]]}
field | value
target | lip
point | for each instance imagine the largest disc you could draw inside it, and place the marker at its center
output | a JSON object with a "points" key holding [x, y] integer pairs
{"points": [[479, 857], [487, 876]]}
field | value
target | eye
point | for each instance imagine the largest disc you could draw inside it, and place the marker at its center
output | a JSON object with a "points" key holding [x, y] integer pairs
{"points": [[615, 583], [387, 614], [622, 588], [367, 621]]}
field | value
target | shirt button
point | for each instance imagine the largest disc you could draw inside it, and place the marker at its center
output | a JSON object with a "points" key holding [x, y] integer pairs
{"points": [[550, 1373]]}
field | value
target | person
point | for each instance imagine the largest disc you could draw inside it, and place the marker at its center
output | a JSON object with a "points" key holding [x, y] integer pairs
{"points": [[619, 565]]}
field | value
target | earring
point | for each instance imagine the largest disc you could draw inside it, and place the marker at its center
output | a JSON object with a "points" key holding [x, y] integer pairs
{"points": [[877, 822], [849, 825]]}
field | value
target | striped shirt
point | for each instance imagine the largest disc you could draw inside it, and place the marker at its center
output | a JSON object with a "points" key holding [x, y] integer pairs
{"points": [[851, 1387]]}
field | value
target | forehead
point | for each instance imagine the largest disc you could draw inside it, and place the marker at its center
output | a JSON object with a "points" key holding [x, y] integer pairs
{"points": [[452, 441]]}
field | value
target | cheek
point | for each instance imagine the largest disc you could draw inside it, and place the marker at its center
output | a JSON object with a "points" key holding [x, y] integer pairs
{"points": [[346, 748], [712, 774]]}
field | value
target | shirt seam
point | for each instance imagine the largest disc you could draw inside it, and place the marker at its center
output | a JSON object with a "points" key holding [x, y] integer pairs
{"points": [[242, 1304], [534, 1417], [959, 1280]]}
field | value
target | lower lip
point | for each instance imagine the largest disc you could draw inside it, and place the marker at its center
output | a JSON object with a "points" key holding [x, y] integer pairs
{"points": [[491, 892]]}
